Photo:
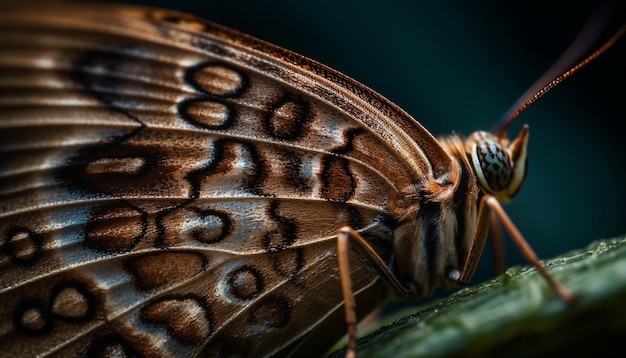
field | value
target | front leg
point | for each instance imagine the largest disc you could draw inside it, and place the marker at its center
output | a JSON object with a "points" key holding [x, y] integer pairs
{"points": [[490, 209]]}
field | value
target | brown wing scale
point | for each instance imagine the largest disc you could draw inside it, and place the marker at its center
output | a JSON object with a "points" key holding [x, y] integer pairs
{"points": [[171, 187]]}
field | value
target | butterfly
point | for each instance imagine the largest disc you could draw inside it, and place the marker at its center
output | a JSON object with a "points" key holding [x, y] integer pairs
{"points": [[172, 187]]}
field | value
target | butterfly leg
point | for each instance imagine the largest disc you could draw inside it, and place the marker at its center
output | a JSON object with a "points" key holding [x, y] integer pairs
{"points": [[525, 249], [497, 242], [477, 244], [346, 238], [489, 209], [343, 246]]}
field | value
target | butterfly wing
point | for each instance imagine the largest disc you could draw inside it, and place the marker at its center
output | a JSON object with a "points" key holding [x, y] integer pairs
{"points": [[172, 187]]}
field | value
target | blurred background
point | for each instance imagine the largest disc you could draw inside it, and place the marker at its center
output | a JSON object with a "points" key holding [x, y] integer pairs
{"points": [[458, 66]]}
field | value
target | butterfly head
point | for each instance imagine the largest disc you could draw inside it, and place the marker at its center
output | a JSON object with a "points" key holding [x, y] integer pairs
{"points": [[499, 164]]}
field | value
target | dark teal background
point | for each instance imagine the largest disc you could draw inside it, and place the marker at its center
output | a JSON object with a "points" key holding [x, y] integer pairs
{"points": [[458, 66]]}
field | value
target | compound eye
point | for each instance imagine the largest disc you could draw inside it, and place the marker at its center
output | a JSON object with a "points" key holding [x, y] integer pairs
{"points": [[494, 163]]}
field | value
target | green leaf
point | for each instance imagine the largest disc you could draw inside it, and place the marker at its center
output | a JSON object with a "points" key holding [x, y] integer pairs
{"points": [[519, 315]]}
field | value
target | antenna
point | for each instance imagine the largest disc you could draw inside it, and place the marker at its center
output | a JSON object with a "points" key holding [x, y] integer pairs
{"points": [[551, 77]]}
